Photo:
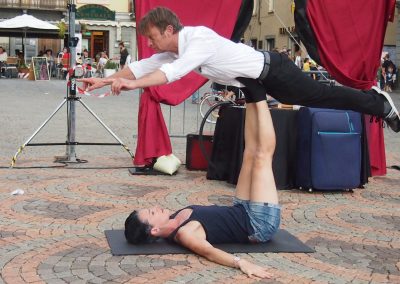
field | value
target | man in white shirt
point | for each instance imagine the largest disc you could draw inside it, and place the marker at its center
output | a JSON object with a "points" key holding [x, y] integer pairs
{"points": [[180, 50]]}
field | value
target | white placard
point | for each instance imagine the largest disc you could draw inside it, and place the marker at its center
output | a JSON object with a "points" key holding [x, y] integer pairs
{"points": [[79, 45]]}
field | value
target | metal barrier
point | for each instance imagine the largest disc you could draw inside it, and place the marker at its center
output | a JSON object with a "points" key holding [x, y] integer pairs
{"points": [[324, 77], [185, 118]]}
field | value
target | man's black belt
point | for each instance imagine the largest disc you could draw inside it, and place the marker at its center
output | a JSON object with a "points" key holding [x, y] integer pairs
{"points": [[267, 61]]}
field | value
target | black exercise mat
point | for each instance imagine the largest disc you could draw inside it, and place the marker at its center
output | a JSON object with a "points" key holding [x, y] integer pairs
{"points": [[283, 241], [145, 171]]}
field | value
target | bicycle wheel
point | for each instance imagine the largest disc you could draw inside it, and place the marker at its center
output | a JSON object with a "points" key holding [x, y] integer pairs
{"points": [[207, 103], [203, 122]]}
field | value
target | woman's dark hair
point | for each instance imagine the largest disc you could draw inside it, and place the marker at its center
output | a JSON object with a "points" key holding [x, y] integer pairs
{"points": [[160, 18], [137, 231]]}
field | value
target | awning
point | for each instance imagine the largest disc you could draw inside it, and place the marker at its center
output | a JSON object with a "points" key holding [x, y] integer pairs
{"points": [[29, 33], [29, 26], [107, 23]]}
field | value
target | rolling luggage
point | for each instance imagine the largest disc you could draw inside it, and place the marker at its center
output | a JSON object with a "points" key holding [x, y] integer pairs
{"points": [[328, 149]]}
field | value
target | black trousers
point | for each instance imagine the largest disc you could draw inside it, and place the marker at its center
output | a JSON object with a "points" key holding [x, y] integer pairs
{"points": [[289, 85]]}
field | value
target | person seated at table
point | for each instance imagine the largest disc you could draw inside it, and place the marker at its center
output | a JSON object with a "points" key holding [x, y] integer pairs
{"points": [[3, 60], [85, 57], [254, 216], [50, 62], [102, 62], [87, 63], [65, 57]]}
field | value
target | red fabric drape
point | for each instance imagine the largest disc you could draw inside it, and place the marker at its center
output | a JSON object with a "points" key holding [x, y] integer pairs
{"points": [[153, 138], [350, 38]]}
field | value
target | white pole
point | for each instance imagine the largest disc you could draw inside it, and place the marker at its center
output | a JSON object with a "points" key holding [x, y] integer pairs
{"points": [[24, 44]]}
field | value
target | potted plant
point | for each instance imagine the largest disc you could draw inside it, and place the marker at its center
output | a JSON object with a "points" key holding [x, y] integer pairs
{"points": [[110, 68], [23, 68], [62, 26]]}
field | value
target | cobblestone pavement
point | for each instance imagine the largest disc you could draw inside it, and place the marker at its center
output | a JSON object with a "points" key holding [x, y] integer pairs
{"points": [[54, 233]]}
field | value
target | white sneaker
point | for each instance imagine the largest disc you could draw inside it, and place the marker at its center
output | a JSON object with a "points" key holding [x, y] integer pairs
{"points": [[392, 118]]}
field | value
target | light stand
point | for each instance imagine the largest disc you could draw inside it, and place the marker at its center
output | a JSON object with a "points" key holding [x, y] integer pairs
{"points": [[70, 153], [74, 72]]}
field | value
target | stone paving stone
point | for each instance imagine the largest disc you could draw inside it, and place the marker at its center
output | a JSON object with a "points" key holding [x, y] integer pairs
{"points": [[54, 233]]}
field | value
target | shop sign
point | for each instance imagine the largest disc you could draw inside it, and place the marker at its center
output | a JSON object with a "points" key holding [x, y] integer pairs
{"points": [[284, 30], [95, 12]]}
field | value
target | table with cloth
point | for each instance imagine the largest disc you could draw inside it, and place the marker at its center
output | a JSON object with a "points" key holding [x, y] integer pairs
{"points": [[228, 146]]}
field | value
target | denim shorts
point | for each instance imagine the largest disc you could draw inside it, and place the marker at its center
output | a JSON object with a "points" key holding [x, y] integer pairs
{"points": [[265, 218]]}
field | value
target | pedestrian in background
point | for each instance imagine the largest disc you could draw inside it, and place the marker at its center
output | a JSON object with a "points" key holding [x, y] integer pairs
{"points": [[124, 55]]}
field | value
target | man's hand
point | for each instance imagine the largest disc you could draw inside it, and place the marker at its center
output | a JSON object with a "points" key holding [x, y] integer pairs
{"points": [[252, 270], [120, 84], [90, 84]]}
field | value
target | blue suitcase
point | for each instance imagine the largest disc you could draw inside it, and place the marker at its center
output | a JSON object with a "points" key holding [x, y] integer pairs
{"points": [[328, 149]]}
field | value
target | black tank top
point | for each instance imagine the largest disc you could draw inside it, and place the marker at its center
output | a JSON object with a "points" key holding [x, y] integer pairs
{"points": [[222, 224]]}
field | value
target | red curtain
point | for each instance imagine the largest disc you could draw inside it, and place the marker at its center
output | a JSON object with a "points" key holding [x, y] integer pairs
{"points": [[153, 139], [349, 36]]}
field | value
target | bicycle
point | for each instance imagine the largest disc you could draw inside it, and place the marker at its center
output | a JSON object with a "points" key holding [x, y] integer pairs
{"points": [[212, 102], [210, 99]]}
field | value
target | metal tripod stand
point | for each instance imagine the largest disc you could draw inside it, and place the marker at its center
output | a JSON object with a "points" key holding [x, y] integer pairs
{"points": [[70, 155]]}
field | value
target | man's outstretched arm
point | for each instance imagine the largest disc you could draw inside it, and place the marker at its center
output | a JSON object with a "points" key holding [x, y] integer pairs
{"points": [[188, 238], [90, 84], [155, 78]]}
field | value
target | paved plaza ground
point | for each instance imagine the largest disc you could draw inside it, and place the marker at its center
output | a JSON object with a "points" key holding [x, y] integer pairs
{"points": [[54, 232]]}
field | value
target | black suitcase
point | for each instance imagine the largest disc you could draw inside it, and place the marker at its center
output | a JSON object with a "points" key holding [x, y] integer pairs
{"points": [[195, 159]]}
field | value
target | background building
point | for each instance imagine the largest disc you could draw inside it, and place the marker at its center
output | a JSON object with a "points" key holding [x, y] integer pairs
{"points": [[104, 24], [271, 19], [51, 11]]}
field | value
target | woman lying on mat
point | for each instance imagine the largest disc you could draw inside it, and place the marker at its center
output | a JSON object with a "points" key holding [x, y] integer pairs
{"points": [[254, 216]]}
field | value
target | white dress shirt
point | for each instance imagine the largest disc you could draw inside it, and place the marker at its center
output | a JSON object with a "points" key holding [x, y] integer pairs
{"points": [[202, 50]]}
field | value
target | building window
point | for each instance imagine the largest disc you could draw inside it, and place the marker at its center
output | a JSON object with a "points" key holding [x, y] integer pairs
{"points": [[260, 44], [269, 44], [270, 6], [253, 42]]}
